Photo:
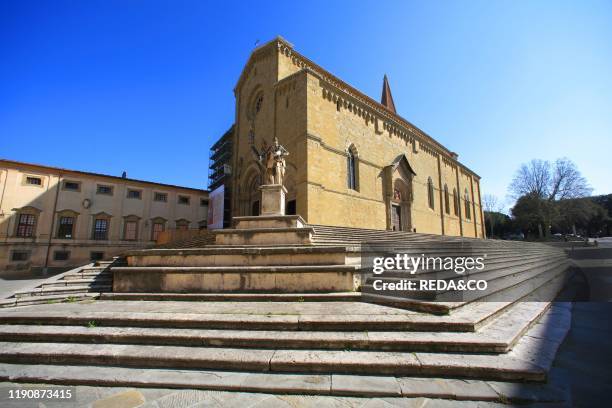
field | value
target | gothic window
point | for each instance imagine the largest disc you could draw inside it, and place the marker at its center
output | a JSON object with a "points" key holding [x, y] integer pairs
{"points": [[468, 213], [258, 104], [446, 200], [251, 137], [430, 193], [352, 169], [455, 202]]}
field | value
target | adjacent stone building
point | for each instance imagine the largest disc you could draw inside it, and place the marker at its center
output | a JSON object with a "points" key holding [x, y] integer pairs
{"points": [[57, 218], [353, 161]]}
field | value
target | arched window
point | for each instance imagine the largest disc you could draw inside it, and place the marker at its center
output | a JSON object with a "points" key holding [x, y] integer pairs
{"points": [[446, 200], [258, 103], [430, 193], [352, 169], [456, 202], [255, 103], [468, 213]]}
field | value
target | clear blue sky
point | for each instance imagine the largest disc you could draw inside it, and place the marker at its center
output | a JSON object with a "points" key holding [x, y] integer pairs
{"points": [[146, 86]]}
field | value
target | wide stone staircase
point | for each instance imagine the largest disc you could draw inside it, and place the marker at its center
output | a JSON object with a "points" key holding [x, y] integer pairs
{"points": [[286, 307], [86, 282]]}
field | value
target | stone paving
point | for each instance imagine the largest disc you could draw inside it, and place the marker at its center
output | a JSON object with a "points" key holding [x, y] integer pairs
{"points": [[118, 397]]}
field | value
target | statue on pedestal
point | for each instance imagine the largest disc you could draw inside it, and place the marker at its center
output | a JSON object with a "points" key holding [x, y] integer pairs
{"points": [[272, 162]]}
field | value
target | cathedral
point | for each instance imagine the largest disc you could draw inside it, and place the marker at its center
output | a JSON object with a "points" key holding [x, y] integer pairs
{"points": [[352, 161]]}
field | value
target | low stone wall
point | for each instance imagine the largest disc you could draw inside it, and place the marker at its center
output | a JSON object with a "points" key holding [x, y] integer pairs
{"points": [[284, 281]]}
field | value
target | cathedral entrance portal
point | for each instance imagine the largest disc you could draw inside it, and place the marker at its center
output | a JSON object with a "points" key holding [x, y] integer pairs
{"points": [[396, 217], [398, 194]]}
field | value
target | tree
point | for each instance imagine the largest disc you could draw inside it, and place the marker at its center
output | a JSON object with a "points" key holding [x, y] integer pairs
{"points": [[531, 213], [491, 206], [583, 214], [539, 180], [559, 181]]}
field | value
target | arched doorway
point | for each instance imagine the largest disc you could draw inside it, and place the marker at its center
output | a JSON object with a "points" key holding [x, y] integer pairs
{"points": [[397, 179], [401, 214], [249, 195]]}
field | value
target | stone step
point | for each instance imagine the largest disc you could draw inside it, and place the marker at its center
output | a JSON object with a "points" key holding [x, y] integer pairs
{"points": [[107, 280], [85, 275], [454, 390], [499, 283], [264, 236], [245, 256], [239, 269], [544, 287], [236, 297], [481, 366], [216, 279], [493, 275], [293, 316], [46, 299], [321, 371], [498, 337], [68, 290], [280, 320]]}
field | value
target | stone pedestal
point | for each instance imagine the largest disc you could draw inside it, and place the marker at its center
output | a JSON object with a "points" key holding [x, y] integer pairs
{"points": [[272, 199]]}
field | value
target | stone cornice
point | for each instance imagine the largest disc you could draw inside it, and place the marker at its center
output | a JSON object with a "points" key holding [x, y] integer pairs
{"points": [[393, 123]]}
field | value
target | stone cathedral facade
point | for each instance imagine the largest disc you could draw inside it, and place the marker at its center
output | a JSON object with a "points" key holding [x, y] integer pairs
{"points": [[353, 161]]}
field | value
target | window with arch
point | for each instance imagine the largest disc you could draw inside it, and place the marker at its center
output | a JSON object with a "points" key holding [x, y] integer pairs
{"points": [[446, 200], [456, 202], [258, 103], [352, 169], [468, 213], [182, 224], [430, 193], [255, 102]]}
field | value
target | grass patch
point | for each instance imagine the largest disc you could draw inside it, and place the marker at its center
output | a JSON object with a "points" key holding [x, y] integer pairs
{"points": [[92, 324]]}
